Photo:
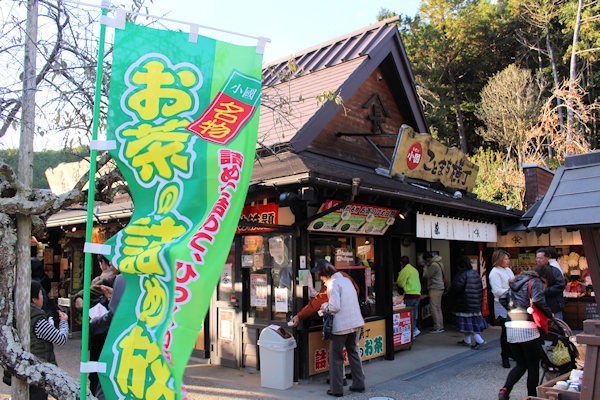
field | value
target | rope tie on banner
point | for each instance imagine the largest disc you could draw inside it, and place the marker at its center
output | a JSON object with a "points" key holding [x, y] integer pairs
{"points": [[193, 33], [103, 144], [260, 46], [92, 366], [118, 22], [97, 248]]}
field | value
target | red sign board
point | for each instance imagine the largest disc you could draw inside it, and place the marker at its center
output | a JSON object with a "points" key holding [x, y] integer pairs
{"points": [[261, 214]]}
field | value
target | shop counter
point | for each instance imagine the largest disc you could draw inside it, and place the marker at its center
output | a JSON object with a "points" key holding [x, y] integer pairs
{"points": [[578, 309], [372, 345]]}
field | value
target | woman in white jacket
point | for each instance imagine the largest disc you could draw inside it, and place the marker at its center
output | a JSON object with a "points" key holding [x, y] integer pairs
{"points": [[347, 325], [500, 276]]}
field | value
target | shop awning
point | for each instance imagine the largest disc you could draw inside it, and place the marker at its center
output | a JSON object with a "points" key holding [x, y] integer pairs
{"points": [[102, 213], [310, 168]]}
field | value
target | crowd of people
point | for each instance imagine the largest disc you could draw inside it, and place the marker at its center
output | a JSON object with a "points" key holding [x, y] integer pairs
{"points": [[520, 338], [50, 324]]}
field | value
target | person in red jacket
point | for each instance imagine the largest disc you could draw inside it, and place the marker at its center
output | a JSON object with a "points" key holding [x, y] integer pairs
{"points": [[314, 304]]}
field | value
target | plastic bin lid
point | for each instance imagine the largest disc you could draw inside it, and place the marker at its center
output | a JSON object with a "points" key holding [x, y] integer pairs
{"points": [[274, 336]]}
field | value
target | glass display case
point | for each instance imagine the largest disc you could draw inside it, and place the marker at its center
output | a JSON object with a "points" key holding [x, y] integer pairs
{"points": [[353, 255], [266, 259]]}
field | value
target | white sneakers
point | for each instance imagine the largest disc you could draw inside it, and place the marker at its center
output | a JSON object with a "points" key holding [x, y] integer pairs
{"points": [[416, 332]]}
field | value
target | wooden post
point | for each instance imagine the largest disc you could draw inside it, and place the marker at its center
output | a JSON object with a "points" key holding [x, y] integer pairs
{"points": [[590, 388], [20, 390]]}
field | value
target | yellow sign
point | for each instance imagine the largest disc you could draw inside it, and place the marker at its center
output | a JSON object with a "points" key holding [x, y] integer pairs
{"points": [[418, 155], [372, 345]]}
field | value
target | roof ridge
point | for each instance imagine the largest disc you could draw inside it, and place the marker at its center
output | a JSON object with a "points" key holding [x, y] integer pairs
{"points": [[374, 26]]}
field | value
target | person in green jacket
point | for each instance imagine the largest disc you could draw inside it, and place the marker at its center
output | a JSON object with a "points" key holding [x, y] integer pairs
{"points": [[410, 282], [44, 335]]}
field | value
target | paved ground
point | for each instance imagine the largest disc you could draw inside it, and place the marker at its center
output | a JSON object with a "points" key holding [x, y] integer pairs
{"points": [[434, 368]]}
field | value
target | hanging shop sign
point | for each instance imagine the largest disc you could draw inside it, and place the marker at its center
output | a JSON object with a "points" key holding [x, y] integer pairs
{"points": [[371, 345], [182, 113], [260, 214], [343, 257], [556, 237], [354, 218], [434, 227], [418, 155]]}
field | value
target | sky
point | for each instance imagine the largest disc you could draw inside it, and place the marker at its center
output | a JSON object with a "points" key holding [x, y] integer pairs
{"points": [[291, 27]]}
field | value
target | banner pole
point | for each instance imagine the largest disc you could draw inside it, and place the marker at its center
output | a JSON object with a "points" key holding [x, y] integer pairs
{"points": [[87, 271]]}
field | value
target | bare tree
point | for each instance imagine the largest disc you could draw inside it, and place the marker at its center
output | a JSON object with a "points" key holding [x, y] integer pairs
{"points": [[23, 271], [64, 82], [64, 86], [540, 14], [573, 77], [572, 98]]}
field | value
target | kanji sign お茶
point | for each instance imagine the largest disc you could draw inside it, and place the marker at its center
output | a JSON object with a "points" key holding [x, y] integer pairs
{"points": [[183, 115]]}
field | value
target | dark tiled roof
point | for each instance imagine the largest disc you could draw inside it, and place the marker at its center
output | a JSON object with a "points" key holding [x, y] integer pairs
{"points": [[573, 199], [307, 167], [121, 208], [276, 127], [340, 66], [531, 211], [328, 54]]}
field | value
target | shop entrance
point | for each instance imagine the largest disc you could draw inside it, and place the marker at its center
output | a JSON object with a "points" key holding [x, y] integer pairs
{"points": [[226, 320]]}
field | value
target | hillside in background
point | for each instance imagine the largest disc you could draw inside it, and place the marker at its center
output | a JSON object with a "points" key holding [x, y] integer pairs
{"points": [[43, 160]]}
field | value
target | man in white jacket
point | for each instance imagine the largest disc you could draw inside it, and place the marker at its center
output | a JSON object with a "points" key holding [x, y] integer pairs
{"points": [[347, 325]]}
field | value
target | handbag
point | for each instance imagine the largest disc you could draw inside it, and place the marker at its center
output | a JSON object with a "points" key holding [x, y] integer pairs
{"points": [[327, 325], [540, 319], [365, 309], [560, 354], [505, 300]]}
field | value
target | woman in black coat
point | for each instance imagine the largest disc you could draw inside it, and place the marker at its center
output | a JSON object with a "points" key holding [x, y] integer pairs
{"points": [[522, 333], [466, 292]]}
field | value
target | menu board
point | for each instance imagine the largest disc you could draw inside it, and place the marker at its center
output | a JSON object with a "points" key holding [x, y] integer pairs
{"points": [[591, 311], [354, 218]]}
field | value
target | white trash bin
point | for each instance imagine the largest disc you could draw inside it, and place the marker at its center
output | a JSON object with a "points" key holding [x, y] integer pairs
{"points": [[276, 358]]}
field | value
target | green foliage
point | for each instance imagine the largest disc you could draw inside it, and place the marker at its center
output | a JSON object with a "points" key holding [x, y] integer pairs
{"points": [[499, 180], [459, 43], [43, 160], [473, 40], [509, 108]]}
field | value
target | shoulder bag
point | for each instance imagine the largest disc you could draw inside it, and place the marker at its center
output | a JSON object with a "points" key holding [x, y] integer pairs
{"points": [[327, 325], [540, 319]]}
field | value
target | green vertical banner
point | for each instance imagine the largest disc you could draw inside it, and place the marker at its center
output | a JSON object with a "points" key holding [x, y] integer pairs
{"points": [[184, 117]]}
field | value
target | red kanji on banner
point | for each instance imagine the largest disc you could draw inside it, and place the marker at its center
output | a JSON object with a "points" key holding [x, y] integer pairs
{"points": [[222, 120]]}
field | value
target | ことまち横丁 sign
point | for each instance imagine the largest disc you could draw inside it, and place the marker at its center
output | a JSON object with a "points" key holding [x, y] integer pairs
{"points": [[418, 155]]}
